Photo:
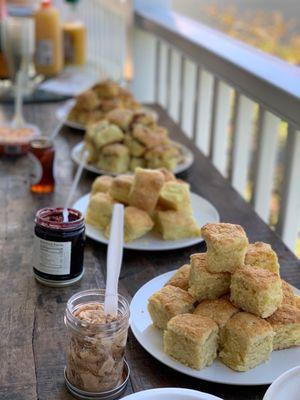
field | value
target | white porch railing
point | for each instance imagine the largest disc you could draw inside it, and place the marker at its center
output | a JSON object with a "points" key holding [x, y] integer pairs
{"points": [[239, 105]]}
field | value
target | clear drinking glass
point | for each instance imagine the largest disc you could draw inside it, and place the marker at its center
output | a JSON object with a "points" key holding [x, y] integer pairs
{"points": [[18, 43], [95, 351]]}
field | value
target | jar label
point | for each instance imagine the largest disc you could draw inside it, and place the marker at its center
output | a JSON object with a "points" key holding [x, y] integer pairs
{"points": [[44, 52], [53, 258], [36, 172]]}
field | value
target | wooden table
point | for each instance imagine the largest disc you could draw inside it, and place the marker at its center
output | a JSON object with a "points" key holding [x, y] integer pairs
{"points": [[32, 329]]}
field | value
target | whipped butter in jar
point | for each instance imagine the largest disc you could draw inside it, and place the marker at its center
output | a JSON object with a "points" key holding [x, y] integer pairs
{"points": [[96, 344]]}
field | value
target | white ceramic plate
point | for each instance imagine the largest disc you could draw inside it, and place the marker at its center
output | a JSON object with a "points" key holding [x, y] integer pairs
{"points": [[171, 394], [63, 112], [204, 212], [151, 339], [287, 386], [188, 158]]}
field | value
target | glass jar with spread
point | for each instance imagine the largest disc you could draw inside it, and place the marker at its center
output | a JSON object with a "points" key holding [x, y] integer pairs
{"points": [[96, 345], [58, 246]]}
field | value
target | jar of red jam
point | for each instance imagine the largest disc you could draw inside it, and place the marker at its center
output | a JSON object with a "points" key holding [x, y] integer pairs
{"points": [[58, 246]]}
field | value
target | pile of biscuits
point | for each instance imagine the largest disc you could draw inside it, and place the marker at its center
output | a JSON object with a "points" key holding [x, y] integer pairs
{"points": [[127, 139], [229, 302], [154, 201], [93, 104]]}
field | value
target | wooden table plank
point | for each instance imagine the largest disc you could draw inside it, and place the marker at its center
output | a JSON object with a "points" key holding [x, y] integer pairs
{"points": [[33, 334]]}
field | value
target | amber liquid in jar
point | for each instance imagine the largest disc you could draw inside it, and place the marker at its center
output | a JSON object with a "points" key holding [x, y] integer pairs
{"points": [[42, 154]]}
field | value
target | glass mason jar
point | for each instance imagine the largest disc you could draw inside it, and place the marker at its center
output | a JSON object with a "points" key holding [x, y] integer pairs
{"points": [[95, 351]]}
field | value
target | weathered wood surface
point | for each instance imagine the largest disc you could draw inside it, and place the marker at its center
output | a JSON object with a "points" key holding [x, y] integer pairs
{"points": [[31, 321]]}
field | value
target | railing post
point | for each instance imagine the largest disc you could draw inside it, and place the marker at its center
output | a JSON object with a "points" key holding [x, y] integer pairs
{"points": [[144, 55], [242, 128], [267, 147], [289, 218]]}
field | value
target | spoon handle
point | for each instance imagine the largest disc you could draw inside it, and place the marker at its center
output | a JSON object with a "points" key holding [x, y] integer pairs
{"points": [[114, 260]]}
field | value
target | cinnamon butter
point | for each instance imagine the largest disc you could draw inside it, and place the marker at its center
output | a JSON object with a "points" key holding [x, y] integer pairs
{"points": [[96, 342]]}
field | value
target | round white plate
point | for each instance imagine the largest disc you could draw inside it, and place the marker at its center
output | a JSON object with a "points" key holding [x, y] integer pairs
{"points": [[63, 112], [287, 386], [151, 339], [186, 164], [62, 115], [171, 394], [204, 212]]}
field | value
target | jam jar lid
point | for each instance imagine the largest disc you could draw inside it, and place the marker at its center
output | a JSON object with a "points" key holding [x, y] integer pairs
{"points": [[52, 218]]}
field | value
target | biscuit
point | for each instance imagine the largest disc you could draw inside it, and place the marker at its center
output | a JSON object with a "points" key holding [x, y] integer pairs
{"points": [[286, 324], [145, 190], [87, 100], [256, 290], [136, 162], [163, 156], [181, 277], [103, 133], [168, 302], [102, 184], [150, 137], [99, 210], [175, 225], [261, 255], [120, 188], [204, 284], [114, 158], [219, 310], [175, 196], [136, 224], [245, 342], [226, 246], [192, 340], [121, 117], [288, 294]]}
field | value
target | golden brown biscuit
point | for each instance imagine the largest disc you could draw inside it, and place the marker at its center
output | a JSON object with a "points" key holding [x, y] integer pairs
{"points": [[204, 284], [256, 290], [163, 156], [87, 100], [181, 277], [245, 342], [286, 324], [114, 158], [102, 184], [261, 255], [150, 137], [192, 340], [226, 246], [175, 225], [288, 294], [99, 210], [219, 310], [120, 188], [136, 224], [136, 149], [121, 117], [175, 196], [136, 162], [168, 175], [168, 302], [105, 134], [145, 189], [106, 88]]}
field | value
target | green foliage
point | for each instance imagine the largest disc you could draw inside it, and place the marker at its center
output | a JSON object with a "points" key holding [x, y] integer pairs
{"points": [[269, 32]]}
